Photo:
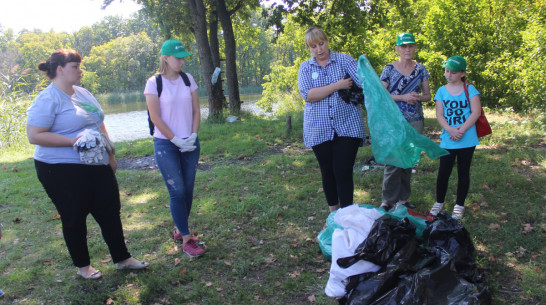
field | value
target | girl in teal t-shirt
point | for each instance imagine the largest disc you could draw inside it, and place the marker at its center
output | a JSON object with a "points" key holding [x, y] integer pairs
{"points": [[457, 115]]}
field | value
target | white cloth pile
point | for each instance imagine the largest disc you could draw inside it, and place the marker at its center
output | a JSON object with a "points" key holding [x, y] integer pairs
{"points": [[357, 223]]}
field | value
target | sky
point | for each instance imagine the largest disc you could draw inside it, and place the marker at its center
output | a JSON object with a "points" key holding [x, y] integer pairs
{"points": [[59, 15]]}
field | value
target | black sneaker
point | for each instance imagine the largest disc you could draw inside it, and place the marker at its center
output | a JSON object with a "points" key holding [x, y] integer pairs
{"points": [[385, 206], [409, 205]]}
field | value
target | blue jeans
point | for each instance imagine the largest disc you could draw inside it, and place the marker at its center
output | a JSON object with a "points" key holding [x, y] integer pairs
{"points": [[178, 170]]}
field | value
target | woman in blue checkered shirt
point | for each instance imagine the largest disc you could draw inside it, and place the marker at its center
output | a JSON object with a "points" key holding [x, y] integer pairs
{"points": [[333, 128]]}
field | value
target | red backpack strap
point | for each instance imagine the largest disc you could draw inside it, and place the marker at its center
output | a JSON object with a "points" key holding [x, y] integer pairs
{"points": [[466, 85]]}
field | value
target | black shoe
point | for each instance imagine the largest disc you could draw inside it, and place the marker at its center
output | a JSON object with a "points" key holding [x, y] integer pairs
{"points": [[385, 206], [409, 205]]}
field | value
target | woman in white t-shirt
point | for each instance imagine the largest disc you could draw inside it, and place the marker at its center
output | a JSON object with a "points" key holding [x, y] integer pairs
{"points": [[176, 115], [76, 171]]}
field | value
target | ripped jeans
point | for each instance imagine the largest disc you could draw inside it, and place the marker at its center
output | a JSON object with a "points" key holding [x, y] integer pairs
{"points": [[178, 170]]}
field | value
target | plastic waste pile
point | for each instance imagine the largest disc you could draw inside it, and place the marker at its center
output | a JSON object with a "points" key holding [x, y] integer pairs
{"points": [[405, 266]]}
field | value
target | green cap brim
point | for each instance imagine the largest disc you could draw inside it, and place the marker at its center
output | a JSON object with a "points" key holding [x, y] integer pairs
{"points": [[405, 42], [181, 54], [451, 67]]}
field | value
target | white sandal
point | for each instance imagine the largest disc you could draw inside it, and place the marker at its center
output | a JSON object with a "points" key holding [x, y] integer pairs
{"points": [[91, 275]]}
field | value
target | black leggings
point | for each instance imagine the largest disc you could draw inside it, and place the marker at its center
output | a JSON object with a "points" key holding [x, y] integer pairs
{"points": [[464, 159], [78, 190], [336, 159]]}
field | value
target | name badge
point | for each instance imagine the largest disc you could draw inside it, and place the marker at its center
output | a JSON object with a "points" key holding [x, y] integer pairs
{"points": [[314, 75]]}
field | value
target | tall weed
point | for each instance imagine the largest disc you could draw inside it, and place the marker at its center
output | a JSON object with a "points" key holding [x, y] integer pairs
{"points": [[13, 105]]}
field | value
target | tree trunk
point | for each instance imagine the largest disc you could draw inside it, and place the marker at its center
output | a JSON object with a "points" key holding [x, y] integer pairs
{"points": [[198, 12], [215, 51], [231, 57]]}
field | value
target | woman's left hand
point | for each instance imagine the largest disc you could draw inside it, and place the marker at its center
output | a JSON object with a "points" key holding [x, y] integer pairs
{"points": [[344, 83], [113, 163], [413, 98]]}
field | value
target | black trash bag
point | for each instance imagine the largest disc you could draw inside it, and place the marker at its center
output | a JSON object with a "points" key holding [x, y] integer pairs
{"points": [[366, 287], [354, 95], [448, 234], [434, 282], [387, 236], [429, 280]]}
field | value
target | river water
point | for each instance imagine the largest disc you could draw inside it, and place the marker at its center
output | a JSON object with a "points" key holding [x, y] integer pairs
{"points": [[133, 125]]}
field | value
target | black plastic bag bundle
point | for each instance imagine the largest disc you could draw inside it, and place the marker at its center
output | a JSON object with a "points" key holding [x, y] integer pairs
{"points": [[354, 95], [441, 271], [415, 276], [387, 236], [363, 288], [448, 234]]}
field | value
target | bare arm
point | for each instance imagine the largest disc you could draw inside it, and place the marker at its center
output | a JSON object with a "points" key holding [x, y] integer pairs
{"points": [[155, 115], [317, 94], [42, 136], [196, 113], [425, 91]]}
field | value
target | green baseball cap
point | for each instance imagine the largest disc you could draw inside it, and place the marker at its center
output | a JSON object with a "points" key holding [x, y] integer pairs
{"points": [[455, 64], [405, 38], [175, 48]]}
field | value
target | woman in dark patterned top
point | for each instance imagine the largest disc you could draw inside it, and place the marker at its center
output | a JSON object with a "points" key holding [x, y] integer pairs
{"points": [[407, 82]]}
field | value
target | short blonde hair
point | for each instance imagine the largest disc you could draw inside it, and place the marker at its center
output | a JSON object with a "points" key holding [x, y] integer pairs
{"points": [[315, 34]]}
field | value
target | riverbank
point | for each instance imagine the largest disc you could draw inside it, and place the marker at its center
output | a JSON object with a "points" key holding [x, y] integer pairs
{"points": [[133, 125]]}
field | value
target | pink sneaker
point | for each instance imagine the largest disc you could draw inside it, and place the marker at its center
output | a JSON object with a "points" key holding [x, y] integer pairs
{"points": [[177, 236], [192, 249]]}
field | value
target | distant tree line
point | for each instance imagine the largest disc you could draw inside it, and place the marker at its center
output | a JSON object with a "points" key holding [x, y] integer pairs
{"points": [[504, 42], [120, 54]]}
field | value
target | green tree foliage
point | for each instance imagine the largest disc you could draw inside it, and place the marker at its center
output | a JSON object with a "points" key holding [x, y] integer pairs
{"points": [[37, 46], [282, 83], [110, 28], [254, 50], [122, 63], [503, 41]]}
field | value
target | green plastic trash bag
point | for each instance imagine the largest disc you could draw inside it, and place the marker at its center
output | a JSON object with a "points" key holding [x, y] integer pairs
{"points": [[324, 238], [394, 141]]}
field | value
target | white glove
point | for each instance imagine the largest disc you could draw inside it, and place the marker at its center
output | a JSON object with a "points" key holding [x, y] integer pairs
{"points": [[187, 147], [191, 139], [87, 140], [89, 146], [93, 155], [178, 142]]}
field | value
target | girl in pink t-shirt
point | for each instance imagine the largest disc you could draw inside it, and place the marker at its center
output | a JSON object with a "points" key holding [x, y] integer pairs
{"points": [[176, 116]]}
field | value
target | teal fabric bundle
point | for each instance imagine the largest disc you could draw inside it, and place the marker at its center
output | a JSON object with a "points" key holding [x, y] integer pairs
{"points": [[394, 141]]}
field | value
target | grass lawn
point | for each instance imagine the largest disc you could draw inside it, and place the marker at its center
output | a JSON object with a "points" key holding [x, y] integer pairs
{"points": [[258, 207]]}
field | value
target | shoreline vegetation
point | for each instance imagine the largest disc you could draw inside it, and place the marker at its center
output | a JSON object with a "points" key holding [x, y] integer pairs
{"points": [[259, 208]]}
